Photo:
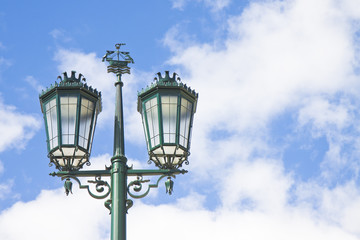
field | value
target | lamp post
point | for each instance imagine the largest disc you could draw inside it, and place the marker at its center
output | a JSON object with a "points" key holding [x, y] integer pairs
{"points": [[70, 110]]}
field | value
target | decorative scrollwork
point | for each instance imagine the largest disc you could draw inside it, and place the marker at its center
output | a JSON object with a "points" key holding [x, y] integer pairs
{"points": [[137, 186], [99, 186], [129, 204], [107, 204]]}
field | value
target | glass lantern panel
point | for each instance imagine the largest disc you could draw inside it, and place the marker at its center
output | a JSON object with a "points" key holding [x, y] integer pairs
{"points": [[176, 160], [76, 162], [169, 150], [51, 121], [152, 115], [62, 162], [169, 112], [145, 130], [86, 115], [68, 109], [92, 132], [185, 117], [68, 151]]}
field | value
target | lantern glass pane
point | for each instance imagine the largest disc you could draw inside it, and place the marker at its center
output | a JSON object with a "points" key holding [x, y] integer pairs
{"points": [[152, 115], [86, 114], [185, 117], [68, 118], [51, 121], [92, 132], [145, 130], [169, 112]]}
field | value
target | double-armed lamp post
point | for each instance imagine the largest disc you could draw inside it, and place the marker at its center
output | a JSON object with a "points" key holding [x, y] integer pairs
{"points": [[70, 110]]}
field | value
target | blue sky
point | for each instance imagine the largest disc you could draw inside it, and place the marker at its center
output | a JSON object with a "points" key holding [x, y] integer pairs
{"points": [[275, 146]]}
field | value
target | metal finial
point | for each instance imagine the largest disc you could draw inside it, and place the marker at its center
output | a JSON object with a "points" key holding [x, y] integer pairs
{"points": [[118, 45], [116, 65], [167, 77]]}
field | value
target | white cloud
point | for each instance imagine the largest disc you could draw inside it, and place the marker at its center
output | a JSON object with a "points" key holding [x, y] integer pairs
{"points": [[322, 114], [59, 34], [214, 5], [279, 56], [53, 215], [79, 217], [247, 186], [34, 83], [229, 224], [5, 62], [1, 167], [5, 189], [16, 128]]}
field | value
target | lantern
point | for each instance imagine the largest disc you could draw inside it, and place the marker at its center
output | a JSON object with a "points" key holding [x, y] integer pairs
{"points": [[167, 108], [70, 110]]}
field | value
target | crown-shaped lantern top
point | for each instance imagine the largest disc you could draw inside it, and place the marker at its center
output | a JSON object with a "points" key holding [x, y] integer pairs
{"points": [[72, 78], [70, 82], [167, 82], [167, 78]]}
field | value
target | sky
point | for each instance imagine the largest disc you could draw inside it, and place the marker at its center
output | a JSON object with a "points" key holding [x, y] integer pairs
{"points": [[275, 143]]}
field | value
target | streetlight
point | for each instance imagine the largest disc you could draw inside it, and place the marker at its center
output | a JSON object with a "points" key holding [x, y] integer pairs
{"points": [[70, 110]]}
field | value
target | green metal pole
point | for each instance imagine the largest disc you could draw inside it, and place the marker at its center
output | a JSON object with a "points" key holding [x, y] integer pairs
{"points": [[118, 171]]}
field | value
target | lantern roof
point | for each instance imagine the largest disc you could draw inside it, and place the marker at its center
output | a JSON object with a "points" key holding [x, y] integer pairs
{"points": [[71, 82], [166, 82]]}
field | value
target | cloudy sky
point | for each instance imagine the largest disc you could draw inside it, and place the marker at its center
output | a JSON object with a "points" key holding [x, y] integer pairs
{"points": [[275, 146]]}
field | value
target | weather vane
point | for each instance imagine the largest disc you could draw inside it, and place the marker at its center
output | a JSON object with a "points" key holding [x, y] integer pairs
{"points": [[118, 66]]}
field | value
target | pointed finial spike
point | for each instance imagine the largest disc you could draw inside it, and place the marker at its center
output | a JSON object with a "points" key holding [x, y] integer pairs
{"points": [[73, 74]]}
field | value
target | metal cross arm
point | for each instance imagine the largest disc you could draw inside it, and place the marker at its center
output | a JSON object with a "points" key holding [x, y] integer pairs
{"points": [[136, 184]]}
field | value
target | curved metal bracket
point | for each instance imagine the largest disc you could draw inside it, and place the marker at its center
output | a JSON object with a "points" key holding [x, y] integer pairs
{"points": [[99, 187], [137, 186]]}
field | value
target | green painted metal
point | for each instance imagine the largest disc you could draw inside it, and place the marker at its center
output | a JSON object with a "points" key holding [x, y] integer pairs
{"points": [[137, 186], [118, 161], [130, 172], [99, 186], [82, 173], [169, 184], [68, 186], [155, 172]]}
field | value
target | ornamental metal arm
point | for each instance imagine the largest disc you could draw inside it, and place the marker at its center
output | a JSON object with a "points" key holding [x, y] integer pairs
{"points": [[82, 173], [130, 172], [137, 185], [134, 188], [155, 172], [100, 186]]}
